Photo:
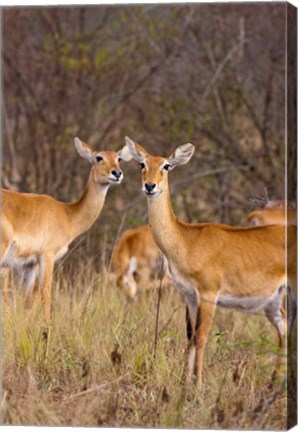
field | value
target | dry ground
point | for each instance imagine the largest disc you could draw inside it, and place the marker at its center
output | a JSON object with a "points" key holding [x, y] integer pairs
{"points": [[101, 371]]}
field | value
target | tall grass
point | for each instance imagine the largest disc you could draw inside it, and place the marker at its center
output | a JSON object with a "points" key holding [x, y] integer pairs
{"points": [[100, 369]]}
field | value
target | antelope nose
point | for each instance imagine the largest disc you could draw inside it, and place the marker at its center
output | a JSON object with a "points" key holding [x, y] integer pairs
{"points": [[149, 187], [117, 174]]}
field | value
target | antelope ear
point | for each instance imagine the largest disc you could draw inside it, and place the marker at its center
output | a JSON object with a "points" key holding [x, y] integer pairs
{"points": [[253, 218], [136, 151], [125, 154], [181, 155], [84, 150]]}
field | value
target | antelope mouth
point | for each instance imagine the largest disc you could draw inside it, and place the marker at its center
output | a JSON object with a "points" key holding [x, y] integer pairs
{"points": [[151, 193], [114, 180]]}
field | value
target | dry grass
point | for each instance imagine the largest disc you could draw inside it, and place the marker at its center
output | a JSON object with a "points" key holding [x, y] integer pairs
{"points": [[101, 371]]}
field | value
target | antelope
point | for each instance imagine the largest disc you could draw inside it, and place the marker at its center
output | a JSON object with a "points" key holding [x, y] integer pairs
{"points": [[36, 230], [135, 258], [242, 268], [275, 212]]}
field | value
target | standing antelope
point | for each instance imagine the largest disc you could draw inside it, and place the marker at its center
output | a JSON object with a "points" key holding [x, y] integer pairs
{"points": [[275, 212], [135, 258], [240, 268], [37, 229]]}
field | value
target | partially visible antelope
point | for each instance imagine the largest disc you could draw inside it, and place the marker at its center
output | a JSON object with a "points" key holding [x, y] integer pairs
{"points": [[274, 212], [135, 258], [242, 268], [36, 230]]}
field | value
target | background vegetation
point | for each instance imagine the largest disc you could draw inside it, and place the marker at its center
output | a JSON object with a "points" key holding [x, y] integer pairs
{"points": [[211, 74], [101, 370]]}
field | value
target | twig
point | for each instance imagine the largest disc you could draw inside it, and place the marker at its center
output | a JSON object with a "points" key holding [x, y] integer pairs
{"points": [[169, 320], [93, 389], [119, 232], [158, 304], [262, 405], [11, 145], [221, 66], [207, 172]]}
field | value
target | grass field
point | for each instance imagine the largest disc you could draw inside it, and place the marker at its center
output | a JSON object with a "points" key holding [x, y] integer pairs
{"points": [[100, 369]]}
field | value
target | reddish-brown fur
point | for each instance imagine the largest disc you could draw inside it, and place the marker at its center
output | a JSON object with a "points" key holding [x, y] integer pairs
{"points": [[39, 228], [213, 263], [138, 244], [275, 212]]}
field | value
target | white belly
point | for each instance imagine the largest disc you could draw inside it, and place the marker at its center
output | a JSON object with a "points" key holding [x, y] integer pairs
{"points": [[12, 260], [18, 263], [191, 296], [251, 304]]}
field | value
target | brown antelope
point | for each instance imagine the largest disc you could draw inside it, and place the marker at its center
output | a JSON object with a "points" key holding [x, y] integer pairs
{"points": [[37, 229], [275, 212], [135, 258], [213, 264]]}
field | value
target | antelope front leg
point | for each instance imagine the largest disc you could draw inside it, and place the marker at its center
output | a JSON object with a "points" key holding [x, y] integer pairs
{"points": [[46, 269], [204, 320], [30, 285], [191, 327], [33, 300]]}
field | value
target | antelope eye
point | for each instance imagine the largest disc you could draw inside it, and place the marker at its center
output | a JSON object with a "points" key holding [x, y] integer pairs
{"points": [[120, 160], [99, 158], [167, 167], [142, 165]]}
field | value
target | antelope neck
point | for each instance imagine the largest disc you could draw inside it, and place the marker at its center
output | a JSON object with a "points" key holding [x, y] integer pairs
{"points": [[164, 224], [85, 211]]}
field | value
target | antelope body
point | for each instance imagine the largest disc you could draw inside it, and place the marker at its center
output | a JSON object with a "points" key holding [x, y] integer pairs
{"points": [[275, 212], [37, 229], [135, 258], [239, 268]]}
